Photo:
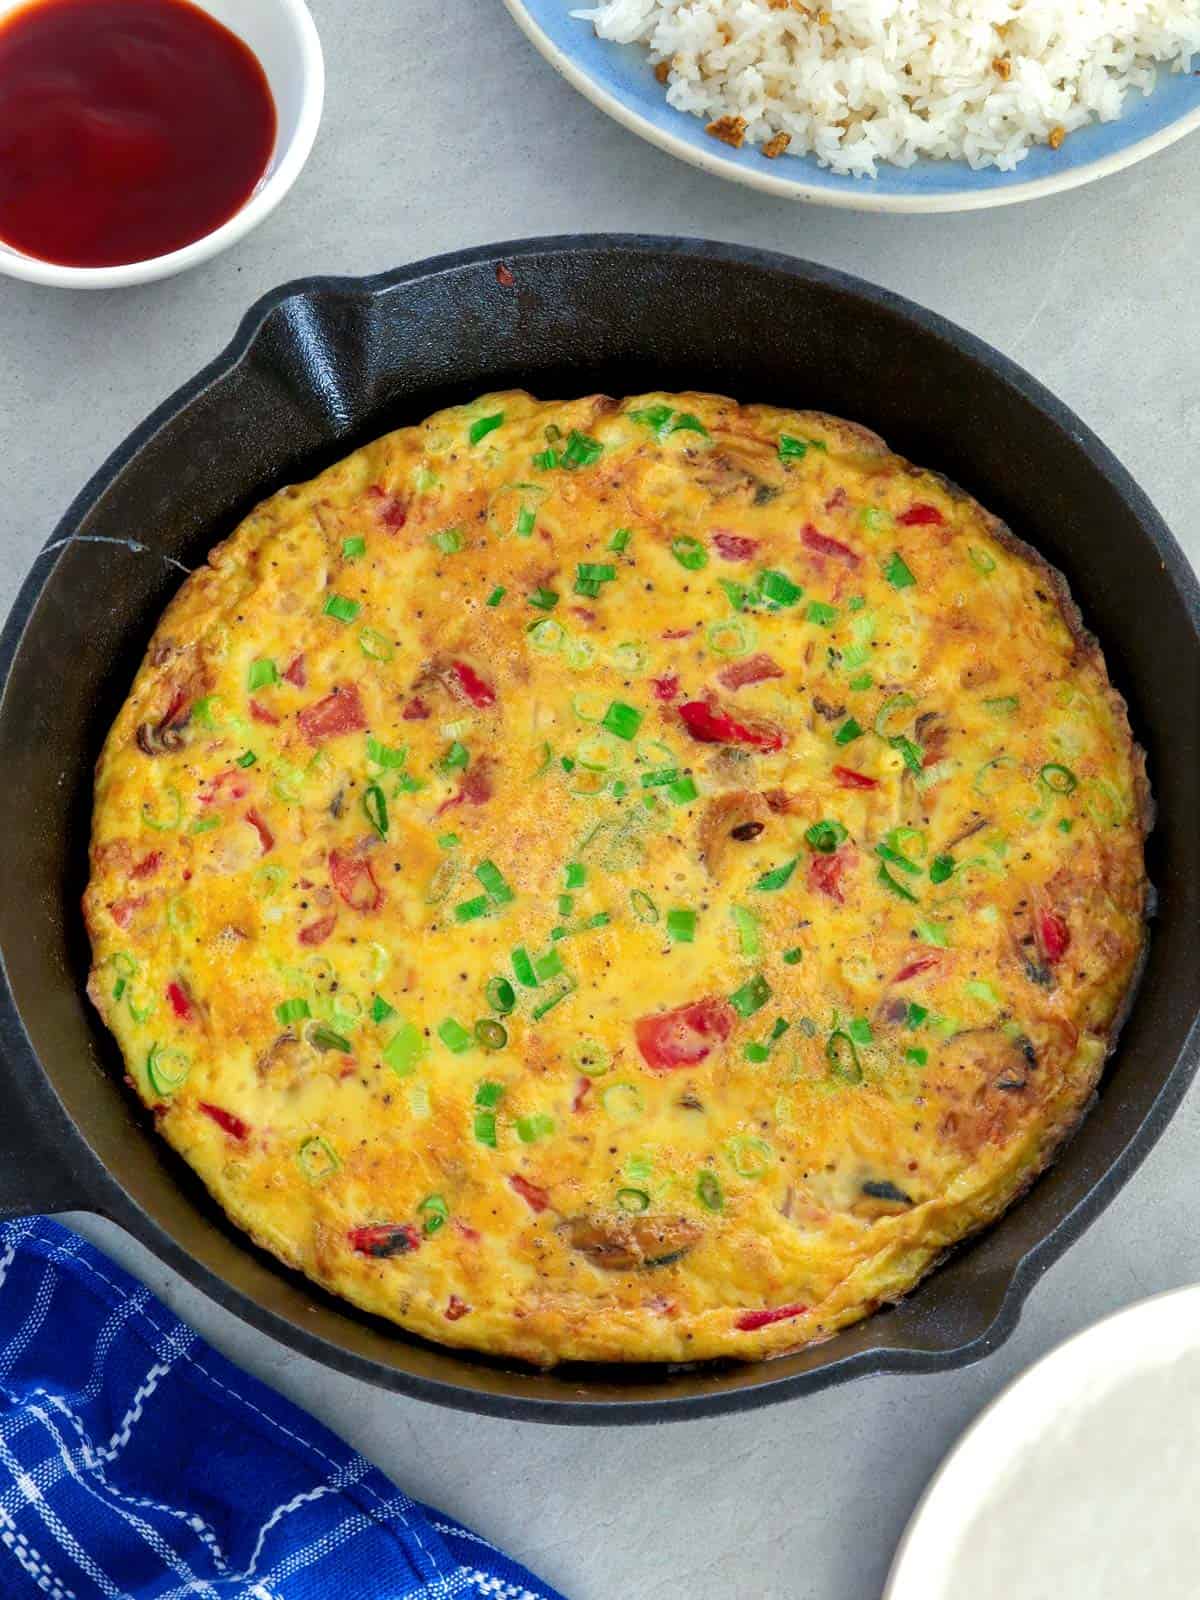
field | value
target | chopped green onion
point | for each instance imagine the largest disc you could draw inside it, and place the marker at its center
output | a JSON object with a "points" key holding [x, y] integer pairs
{"points": [[751, 997], [897, 572], [405, 1049], [689, 552], [916, 1014], [898, 889], [352, 549], [523, 968], [581, 451], [324, 1038], [848, 732], [262, 672], [1059, 779], [448, 841], [575, 874], [374, 803], [167, 1070], [543, 599], [494, 882], [913, 754], [981, 560], [620, 539], [292, 1011], [489, 1093], [491, 1035], [548, 966], [566, 988], [482, 426], [791, 449], [933, 933], [708, 1191], [897, 702], [633, 1199], [1002, 705], [454, 1036], [246, 759], [566, 904], [380, 1010], [449, 541], [748, 934], [758, 1053], [873, 519], [500, 995], [374, 645], [940, 868], [842, 1056], [748, 1156], [794, 956], [209, 823], [318, 1159], [1064, 826], [546, 460], [472, 910], [496, 595], [886, 853], [729, 637], [778, 587], [859, 1030], [978, 989], [531, 1129], [171, 819], [863, 681], [644, 908], [736, 593], [382, 755], [825, 836], [435, 1211], [456, 757], [777, 877], [622, 720], [683, 790], [656, 780], [338, 606], [918, 1055], [681, 926], [546, 635], [622, 1101], [821, 613], [485, 1128]]}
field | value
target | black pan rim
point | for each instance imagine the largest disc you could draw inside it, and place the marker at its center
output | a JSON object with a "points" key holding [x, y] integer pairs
{"points": [[97, 1190]]}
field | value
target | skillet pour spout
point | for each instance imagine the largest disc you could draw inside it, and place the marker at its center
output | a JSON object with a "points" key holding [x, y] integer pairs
{"points": [[322, 366]]}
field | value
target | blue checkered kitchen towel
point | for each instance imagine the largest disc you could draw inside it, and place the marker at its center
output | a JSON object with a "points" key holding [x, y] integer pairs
{"points": [[138, 1464]]}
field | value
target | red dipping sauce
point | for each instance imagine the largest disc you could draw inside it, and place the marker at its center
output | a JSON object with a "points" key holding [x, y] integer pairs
{"points": [[128, 128]]}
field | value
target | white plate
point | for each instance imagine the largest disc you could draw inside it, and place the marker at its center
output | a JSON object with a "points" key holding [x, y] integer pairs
{"points": [[1081, 1481]]}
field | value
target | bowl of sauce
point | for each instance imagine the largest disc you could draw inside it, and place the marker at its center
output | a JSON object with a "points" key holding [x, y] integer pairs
{"points": [[141, 137]]}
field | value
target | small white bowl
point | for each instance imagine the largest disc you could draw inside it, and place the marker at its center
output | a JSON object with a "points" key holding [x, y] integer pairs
{"points": [[283, 36]]}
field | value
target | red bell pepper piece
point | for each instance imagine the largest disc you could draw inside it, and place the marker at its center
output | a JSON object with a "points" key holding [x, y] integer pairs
{"points": [[384, 1239], [750, 669], [296, 673], [734, 547], [354, 881], [389, 509], [148, 865], [456, 1308], [681, 1037], [920, 516], [825, 874], [477, 690], [224, 787], [265, 836], [318, 932], [227, 1121], [181, 1002], [749, 1321], [821, 544], [534, 1196], [1054, 935], [710, 725], [666, 688], [416, 710], [339, 712], [912, 968], [849, 779]]}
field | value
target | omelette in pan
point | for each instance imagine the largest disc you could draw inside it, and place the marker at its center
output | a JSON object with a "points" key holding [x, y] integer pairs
{"points": [[618, 880]]}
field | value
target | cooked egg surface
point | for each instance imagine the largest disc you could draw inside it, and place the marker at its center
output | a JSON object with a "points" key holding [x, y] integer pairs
{"points": [[618, 880]]}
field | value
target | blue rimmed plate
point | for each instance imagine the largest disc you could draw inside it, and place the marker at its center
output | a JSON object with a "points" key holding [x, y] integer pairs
{"points": [[620, 80]]}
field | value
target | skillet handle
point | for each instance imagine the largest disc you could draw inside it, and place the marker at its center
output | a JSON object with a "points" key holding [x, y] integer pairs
{"points": [[36, 1173]]}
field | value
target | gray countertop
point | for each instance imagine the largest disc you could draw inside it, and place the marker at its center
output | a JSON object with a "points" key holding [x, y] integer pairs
{"points": [[442, 129]]}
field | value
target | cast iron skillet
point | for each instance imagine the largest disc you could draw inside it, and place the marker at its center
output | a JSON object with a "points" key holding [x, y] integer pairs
{"points": [[318, 368]]}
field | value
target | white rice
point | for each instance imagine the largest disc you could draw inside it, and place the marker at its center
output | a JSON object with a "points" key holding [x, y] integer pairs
{"points": [[856, 82]]}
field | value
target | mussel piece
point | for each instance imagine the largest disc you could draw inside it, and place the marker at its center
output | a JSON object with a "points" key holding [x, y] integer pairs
{"points": [[885, 1189]]}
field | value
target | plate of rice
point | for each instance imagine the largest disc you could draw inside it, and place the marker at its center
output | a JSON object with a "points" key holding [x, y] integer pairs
{"points": [[887, 105]]}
